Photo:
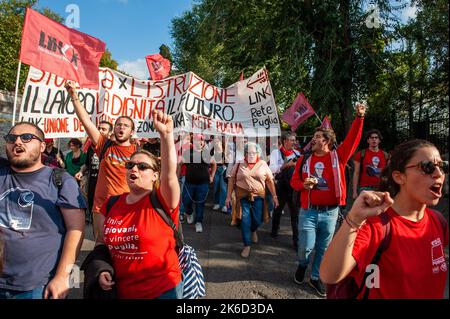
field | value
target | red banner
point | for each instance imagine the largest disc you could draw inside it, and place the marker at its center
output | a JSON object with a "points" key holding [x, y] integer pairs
{"points": [[158, 67], [299, 112], [53, 47]]}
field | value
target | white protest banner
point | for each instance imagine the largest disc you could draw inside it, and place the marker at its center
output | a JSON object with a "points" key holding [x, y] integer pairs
{"points": [[246, 108]]}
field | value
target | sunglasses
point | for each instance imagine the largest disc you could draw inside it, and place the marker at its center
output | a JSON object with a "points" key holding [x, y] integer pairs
{"points": [[25, 138], [140, 166], [428, 167]]}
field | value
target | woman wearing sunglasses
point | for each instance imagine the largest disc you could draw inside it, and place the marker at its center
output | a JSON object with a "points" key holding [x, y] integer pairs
{"points": [[141, 244], [413, 265]]}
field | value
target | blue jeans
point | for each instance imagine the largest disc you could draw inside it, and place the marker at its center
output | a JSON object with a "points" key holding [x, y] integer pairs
{"points": [[36, 293], [251, 217], [195, 193], [220, 187], [174, 293], [316, 229]]}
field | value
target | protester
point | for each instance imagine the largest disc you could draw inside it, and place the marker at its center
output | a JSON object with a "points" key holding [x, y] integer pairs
{"points": [[75, 158], [198, 177], [320, 180], [51, 156], [144, 257], [113, 154], [220, 187], [249, 180], [413, 265], [41, 217], [368, 164], [89, 172], [282, 164]]}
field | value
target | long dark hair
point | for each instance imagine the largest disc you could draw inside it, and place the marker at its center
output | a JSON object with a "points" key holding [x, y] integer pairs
{"points": [[400, 156]]}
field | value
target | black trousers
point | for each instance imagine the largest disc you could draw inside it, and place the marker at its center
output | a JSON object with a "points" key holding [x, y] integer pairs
{"points": [[285, 196]]}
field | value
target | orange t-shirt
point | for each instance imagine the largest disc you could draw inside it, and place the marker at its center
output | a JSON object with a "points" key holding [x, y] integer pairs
{"points": [[112, 173]]}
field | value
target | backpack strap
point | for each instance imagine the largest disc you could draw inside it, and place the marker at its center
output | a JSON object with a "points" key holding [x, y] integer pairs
{"points": [[385, 241], [107, 144], [111, 201], [363, 154], [57, 177], [441, 219], [304, 159], [178, 234]]}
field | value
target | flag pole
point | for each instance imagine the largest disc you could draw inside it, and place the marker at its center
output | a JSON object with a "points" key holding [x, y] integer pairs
{"points": [[318, 117], [15, 94]]}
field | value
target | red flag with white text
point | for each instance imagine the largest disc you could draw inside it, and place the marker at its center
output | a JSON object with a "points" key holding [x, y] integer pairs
{"points": [[158, 66], [55, 48], [298, 112]]}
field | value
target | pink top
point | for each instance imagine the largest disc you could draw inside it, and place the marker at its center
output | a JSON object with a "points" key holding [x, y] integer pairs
{"points": [[253, 180]]}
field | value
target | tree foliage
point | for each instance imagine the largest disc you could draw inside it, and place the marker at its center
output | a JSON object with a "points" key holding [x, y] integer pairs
{"points": [[326, 49]]}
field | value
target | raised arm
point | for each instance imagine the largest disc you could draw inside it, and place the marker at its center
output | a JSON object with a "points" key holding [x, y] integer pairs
{"points": [[83, 116], [170, 189], [351, 141]]}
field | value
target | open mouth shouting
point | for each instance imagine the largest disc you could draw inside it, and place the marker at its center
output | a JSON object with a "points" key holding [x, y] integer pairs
{"points": [[18, 150], [436, 190]]}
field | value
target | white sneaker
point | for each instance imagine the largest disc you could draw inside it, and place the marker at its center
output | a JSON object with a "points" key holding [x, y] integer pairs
{"points": [[198, 227], [216, 207], [225, 209], [190, 218]]}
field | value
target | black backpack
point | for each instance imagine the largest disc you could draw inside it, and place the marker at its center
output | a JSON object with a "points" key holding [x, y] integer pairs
{"points": [[284, 176]]}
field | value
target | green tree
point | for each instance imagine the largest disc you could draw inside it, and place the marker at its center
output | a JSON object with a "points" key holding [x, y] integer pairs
{"points": [[107, 61]]}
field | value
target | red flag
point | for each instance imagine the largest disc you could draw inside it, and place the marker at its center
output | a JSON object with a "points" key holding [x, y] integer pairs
{"points": [[158, 67], [55, 48], [241, 77], [298, 112], [326, 123]]}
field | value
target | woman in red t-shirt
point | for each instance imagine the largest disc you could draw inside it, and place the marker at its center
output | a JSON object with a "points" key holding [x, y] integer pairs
{"points": [[413, 265], [141, 244]]}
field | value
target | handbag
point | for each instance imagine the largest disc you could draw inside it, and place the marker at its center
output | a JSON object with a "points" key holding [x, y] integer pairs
{"points": [[193, 279]]}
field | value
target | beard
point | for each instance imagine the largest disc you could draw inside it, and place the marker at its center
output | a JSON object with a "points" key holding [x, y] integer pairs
{"points": [[22, 163]]}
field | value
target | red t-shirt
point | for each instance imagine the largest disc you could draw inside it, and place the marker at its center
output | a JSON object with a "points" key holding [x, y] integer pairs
{"points": [[373, 164], [142, 248], [324, 193], [413, 266]]}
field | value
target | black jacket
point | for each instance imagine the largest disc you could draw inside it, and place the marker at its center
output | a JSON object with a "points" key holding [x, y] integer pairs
{"points": [[96, 262]]}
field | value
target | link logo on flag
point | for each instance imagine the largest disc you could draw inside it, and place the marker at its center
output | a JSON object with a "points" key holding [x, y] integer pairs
{"points": [[158, 67], [299, 112]]}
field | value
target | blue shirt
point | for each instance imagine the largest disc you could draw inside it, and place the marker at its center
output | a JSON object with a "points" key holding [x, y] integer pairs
{"points": [[32, 225]]}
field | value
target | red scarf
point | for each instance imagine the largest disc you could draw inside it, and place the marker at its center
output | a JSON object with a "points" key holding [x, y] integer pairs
{"points": [[250, 165], [286, 152]]}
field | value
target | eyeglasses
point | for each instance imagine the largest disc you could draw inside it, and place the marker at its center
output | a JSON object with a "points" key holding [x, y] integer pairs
{"points": [[141, 166], [25, 138], [123, 125], [428, 167]]}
